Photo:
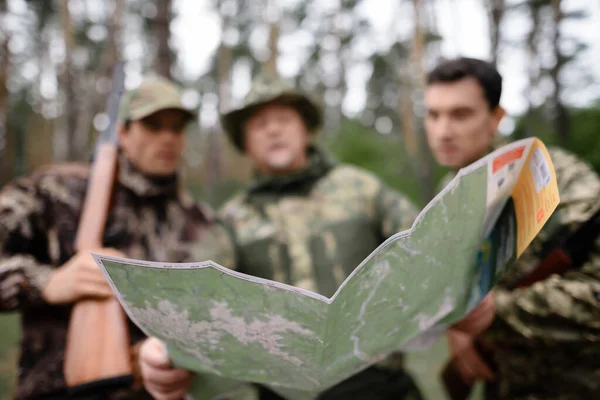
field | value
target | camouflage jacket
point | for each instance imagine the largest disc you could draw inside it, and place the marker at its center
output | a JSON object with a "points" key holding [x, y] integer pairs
{"points": [[547, 336], [310, 229], [150, 219]]}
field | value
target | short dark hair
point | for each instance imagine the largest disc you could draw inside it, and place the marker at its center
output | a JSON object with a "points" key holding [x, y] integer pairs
{"points": [[464, 67]]}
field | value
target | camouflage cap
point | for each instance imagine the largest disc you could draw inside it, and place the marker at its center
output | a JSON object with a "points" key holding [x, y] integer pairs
{"points": [[155, 93], [267, 89]]}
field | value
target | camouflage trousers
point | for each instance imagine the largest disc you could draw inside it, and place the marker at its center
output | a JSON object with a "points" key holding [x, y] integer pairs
{"points": [[370, 384]]}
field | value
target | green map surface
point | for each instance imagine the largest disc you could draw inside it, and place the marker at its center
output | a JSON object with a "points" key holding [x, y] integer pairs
{"points": [[231, 328]]}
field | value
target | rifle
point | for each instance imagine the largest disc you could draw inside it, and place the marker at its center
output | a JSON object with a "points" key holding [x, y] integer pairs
{"points": [[97, 350], [565, 253]]}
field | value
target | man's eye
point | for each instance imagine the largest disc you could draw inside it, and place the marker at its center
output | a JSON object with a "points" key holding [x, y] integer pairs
{"points": [[152, 125], [462, 114], [178, 128]]}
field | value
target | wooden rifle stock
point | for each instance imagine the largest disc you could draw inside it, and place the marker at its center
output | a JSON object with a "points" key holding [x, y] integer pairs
{"points": [[560, 256], [97, 354]]}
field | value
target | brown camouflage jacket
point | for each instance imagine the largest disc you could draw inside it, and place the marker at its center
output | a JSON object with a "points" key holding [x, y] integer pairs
{"points": [[547, 336], [151, 219]]}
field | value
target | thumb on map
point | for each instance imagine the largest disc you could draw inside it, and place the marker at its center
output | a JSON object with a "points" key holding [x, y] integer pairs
{"points": [[154, 352]]}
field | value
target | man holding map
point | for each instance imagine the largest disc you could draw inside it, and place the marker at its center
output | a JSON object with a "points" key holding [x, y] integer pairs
{"points": [[306, 221], [544, 337]]}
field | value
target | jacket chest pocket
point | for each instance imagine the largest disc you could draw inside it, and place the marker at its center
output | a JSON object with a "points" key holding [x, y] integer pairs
{"points": [[265, 258], [345, 243]]}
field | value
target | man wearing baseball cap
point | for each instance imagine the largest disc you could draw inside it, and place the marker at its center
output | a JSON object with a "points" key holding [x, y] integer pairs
{"points": [[152, 218], [153, 119]]}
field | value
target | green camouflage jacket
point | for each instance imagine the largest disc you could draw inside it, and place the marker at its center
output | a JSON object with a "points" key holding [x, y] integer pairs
{"points": [[310, 229], [151, 220], [547, 335]]}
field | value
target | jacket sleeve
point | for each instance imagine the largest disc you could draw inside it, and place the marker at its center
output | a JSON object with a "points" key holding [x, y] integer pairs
{"points": [[566, 307], [394, 211], [22, 273]]}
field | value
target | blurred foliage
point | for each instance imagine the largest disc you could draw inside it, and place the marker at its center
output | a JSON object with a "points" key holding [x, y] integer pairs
{"points": [[384, 155], [583, 136], [9, 341], [218, 195]]}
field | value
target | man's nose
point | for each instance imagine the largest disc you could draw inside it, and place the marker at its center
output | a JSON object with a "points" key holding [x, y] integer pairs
{"points": [[273, 128], [167, 134], [444, 129]]}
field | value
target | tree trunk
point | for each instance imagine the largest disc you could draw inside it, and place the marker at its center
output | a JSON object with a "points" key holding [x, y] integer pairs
{"points": [[561, 115], [162, 32], [224, 67], [533, 71], [334, 113], [496, 13], [20, 114], [66, 145], [407, 117], [434, 48], [270, 66], [94, 104], [115, 29], [418, 55], [4, 103]]}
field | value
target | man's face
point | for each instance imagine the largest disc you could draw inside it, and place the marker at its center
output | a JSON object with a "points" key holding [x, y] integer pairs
{"points": [[154, 144], [276, 139], [459, 123]]}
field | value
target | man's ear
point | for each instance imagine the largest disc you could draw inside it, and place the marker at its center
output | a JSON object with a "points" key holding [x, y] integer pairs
{"points": [[497, 114], [122, 132]]}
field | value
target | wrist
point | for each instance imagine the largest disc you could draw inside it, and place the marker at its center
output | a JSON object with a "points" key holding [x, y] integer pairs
{"points": [[138, 382], [56, 290], [36, 276], [46, 288]]}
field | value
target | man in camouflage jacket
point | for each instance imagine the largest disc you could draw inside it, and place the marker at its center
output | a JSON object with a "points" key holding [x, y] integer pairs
{"points": [[153, 218], [545, 338], [306, 220]]}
